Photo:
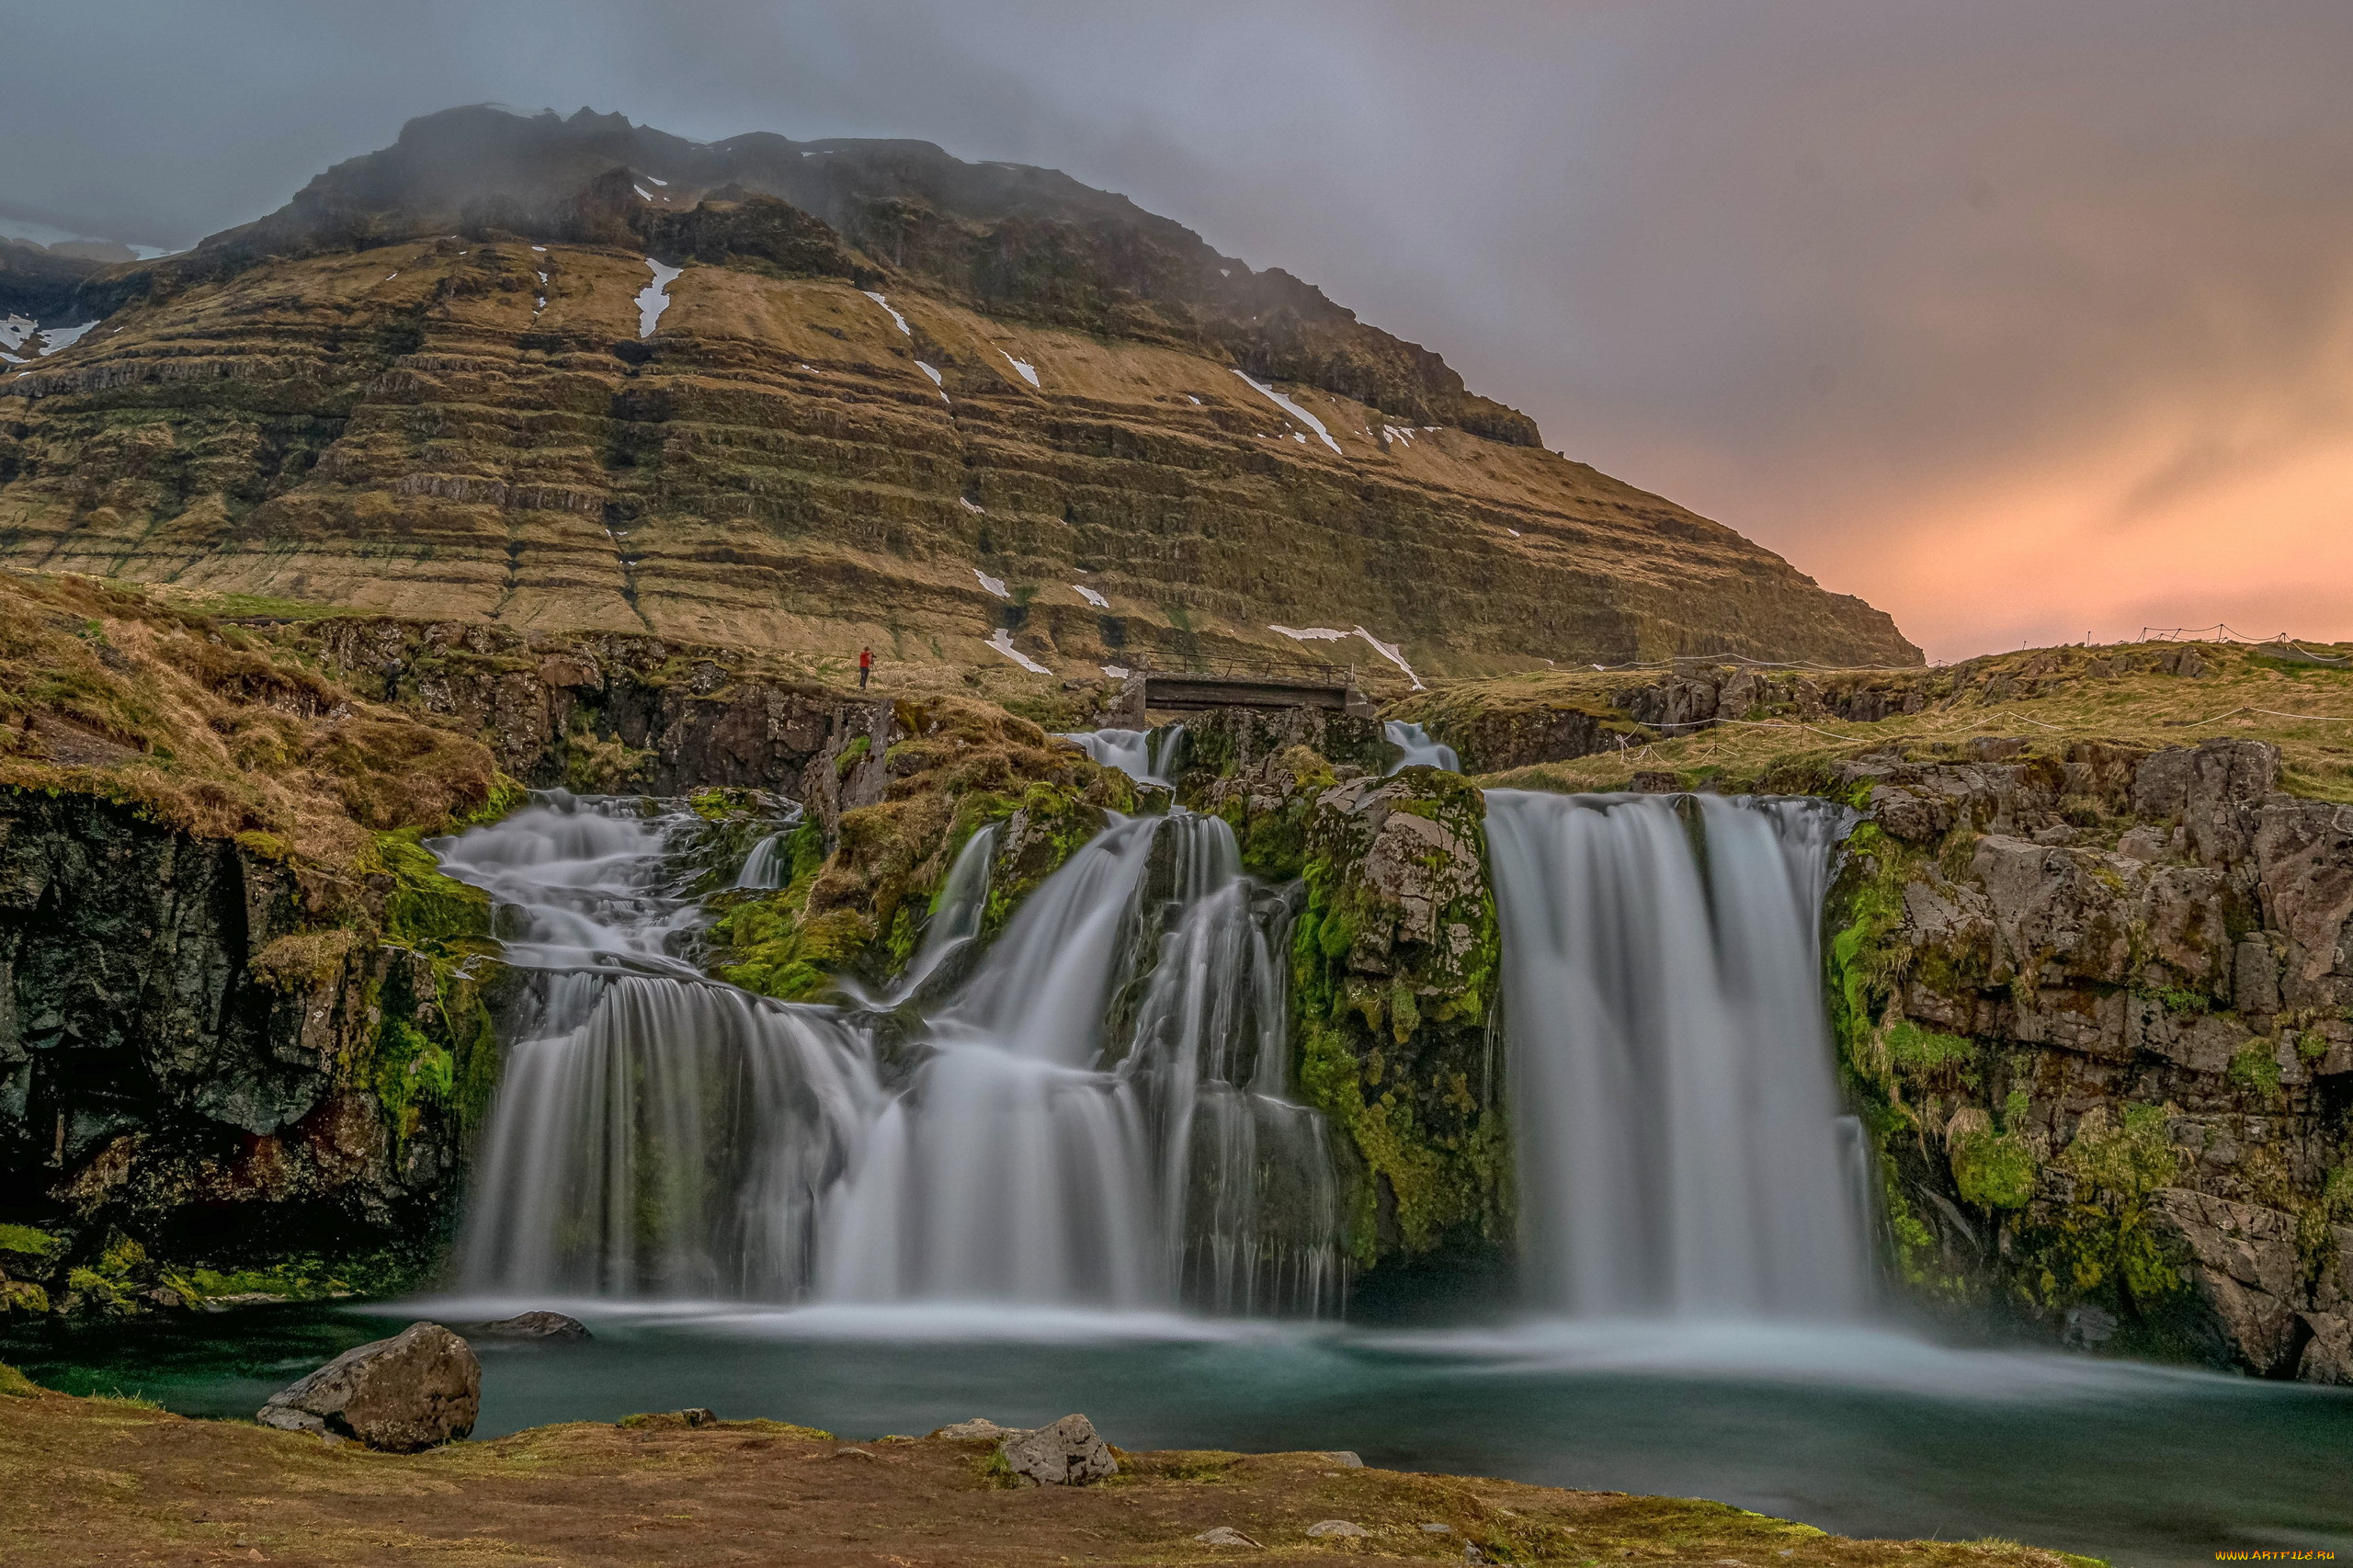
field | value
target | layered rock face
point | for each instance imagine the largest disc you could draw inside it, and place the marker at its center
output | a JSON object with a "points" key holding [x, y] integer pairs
{"points": [[955, 412], [206, 1054], [2101, 1016], [615, 713]]}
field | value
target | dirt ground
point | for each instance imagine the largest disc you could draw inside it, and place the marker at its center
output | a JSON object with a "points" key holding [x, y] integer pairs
{"points": [[106, 1481]]}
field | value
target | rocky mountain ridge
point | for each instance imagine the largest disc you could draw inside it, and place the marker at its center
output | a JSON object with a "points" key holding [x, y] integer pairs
{"points": [[968, 414]]}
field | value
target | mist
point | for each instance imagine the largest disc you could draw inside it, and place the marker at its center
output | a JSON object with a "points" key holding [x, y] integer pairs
{"points": [[2027, 323]]}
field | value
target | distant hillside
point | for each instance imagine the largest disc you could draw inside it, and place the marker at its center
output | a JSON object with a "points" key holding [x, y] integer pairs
{"points": [[972, 413]]}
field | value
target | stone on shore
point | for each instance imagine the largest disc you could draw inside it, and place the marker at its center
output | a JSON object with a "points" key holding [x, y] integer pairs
{"points": [[418, 1389], [1065, 1453]]}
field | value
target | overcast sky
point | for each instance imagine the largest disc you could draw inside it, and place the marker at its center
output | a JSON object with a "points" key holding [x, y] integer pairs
{"points": [[2024, 321]]}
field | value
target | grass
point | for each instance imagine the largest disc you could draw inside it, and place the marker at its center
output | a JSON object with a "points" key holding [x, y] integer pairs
{"points": [[220, 729], [89, 1482], [2052, 697]]}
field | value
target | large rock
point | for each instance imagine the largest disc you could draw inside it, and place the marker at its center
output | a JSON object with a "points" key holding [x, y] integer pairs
{"points": [[420, 1388], [1066, 1453]]}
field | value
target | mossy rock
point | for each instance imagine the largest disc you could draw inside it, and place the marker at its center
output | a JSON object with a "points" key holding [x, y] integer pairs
{"points": [[1394, 964]]}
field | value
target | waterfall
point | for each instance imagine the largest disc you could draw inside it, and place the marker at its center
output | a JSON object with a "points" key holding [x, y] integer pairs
{"points": [[766, 868], [656, 1134], [956, 911], [1679, 1130], [1148, 756], [1042, 1152], [1419, 750], [1094, 1115]]}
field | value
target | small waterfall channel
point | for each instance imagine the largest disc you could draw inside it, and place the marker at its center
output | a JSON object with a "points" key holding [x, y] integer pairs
{"points": [[1418, 749], [1680, 1143], [1094, 1115], [1148, 756]]}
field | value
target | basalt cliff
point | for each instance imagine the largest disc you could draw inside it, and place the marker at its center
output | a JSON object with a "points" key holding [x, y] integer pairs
{"points": [[574, 375]]}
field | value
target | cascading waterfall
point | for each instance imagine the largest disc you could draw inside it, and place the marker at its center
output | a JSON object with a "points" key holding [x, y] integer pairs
{"points": [[1042, 1152], [1094, 1116], [1148, 756], [656, 1134], [1679, 1140], [1418, 749], [956, 913], [768, 866]]}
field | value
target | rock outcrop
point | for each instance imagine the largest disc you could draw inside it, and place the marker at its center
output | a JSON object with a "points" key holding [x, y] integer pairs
{"points": [[416, 1390], [206, 1047], [969, 415], [1393, 963], [1064, 1453], [2098, 1010]]}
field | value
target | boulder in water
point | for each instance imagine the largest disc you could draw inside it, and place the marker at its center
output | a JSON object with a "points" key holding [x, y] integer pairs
{"points": [[1066, 1453], [420, 1388], [534, 1326], [978, 1427]]}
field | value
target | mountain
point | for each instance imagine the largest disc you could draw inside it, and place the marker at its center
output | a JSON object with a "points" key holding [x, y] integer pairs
{"points": [[571, 373]]}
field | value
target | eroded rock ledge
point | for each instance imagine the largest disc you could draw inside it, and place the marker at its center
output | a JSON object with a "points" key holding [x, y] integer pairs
{"points": [[2098, 1013]]}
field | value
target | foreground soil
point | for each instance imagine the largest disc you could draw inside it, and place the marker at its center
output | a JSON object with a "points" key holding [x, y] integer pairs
{"points": [[105, 1482]]}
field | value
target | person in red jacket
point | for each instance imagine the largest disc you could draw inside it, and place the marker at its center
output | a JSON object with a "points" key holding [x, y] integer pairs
{"points": [[865, 667]]}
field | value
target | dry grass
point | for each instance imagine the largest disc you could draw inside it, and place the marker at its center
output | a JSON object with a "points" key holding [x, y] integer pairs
{"points": [[2050, 697], [84, 1483], [218, 729]]}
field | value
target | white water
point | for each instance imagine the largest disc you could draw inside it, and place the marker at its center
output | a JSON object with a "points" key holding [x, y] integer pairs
{"points": [[768, 866], [1419, 750], [1679, 1140], [654, 1134], [1094, 1118], [1148, 756]]}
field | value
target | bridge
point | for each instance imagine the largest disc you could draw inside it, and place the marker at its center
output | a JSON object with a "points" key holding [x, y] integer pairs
{"points": [[1241, 683]]}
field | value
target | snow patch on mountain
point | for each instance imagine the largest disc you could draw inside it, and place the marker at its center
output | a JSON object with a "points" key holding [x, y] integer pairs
{"points": [[1002, 640], [1288, 406], [886, 306], [654, 297]]}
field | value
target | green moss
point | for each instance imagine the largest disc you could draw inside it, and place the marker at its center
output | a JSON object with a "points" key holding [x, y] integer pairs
{"points": [[2103, 1244], [1925, 1053], [2184, 1003], [413, 1070], [1994, 1170], [786, 956], [299, 1278], [852, 755], [23, 1242], [423, 909], [2255, 1069], [506, 797], [1398, 1060]]}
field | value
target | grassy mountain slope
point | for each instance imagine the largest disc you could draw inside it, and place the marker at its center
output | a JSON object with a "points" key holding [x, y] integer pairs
{"points": [[422, 389]]}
